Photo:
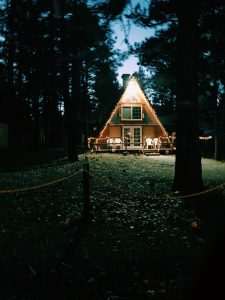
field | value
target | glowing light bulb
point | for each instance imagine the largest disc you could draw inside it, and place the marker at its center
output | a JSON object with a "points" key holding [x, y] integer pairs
{"points": [[132, 88]]}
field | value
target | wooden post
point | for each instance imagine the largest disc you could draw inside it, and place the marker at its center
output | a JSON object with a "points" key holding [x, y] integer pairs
{"points": [[86, 189]]}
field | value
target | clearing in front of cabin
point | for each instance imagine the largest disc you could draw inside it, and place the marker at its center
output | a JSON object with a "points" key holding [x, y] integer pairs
{"points": [[143, 242]]}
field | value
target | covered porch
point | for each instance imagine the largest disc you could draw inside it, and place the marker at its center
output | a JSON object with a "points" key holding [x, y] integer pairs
{"points": [[118, 144]]}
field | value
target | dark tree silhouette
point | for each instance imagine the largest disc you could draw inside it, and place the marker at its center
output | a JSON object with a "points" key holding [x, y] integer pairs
{"points": [[188, 174], [182, 18], [157, 54], [51, 53]]}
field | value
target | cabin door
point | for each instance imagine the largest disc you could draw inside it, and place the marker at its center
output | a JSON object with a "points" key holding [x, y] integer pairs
{"points": [[132, 137]]}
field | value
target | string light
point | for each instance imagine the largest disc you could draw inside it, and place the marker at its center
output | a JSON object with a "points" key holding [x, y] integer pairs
{"points": [[205, 138]]}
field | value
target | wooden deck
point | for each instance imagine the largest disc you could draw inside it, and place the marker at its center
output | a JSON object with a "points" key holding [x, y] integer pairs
{"points": [[152, 151], [117, 146]]}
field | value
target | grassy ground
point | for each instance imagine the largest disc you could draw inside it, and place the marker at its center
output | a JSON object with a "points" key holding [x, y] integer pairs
{"points": [[142, 242]]}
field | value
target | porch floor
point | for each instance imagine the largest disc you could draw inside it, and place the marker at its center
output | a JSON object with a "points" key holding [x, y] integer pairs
{"points": [[139, 151]]}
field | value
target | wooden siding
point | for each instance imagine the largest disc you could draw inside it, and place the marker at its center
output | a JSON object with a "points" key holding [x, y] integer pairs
{"points": [[149, 131], [115, 131], [152, 131]]}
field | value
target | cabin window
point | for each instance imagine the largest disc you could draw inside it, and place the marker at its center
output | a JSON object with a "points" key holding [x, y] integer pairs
{"points": [[136, 112], [131, 113], [126, 113]]}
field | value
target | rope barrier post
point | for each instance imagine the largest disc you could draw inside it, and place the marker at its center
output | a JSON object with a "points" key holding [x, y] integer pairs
{"points": [[86, 189]]}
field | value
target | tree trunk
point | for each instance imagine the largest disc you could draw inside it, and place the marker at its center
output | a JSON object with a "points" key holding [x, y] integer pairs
{"points": [[36, 123], [75, 111], [13, 137], [214, 95], [188, 171], [69, 101], [85, 112]]}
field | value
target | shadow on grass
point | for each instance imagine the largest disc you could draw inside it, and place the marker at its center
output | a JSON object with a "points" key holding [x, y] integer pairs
{"points": [[19, 160], [49, 279], [208, 282], [56, 283]]}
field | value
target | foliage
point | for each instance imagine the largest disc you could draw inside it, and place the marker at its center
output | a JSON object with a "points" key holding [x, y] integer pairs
{"points": [[52, 56], [158, 55]]}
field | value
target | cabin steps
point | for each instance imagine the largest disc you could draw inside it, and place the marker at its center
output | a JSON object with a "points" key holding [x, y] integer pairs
{"points": [[151, 153]]}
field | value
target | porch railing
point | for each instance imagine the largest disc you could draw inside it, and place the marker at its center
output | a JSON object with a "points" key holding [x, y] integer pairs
{"points": [[113, 144]]}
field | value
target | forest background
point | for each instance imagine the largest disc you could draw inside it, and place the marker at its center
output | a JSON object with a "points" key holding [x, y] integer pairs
{"points": [[58, 72]]}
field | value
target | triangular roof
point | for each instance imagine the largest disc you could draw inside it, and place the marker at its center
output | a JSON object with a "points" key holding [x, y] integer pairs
{"points": [[133, 89]]}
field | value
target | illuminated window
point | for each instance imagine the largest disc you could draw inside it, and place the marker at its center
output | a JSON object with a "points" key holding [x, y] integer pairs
{"points": [[131, 113]]}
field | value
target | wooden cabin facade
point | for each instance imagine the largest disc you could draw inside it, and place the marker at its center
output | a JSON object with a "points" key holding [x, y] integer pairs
{"points": [[132, 125]]}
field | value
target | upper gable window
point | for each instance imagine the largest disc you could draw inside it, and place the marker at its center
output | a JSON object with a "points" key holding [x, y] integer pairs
{"points": [[131, 113]]}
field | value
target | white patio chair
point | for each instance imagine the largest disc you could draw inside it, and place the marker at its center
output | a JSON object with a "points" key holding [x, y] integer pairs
{"points": [[149, 143]]}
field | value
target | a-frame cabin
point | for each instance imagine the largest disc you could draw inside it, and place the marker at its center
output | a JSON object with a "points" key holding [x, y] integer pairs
{"points": [[133, 124]]}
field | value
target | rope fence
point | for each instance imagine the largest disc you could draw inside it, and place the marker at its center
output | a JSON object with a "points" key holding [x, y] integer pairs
{"points": [[39, 186], [86, 188], [209, 190], [87, 175], [192, 195]]}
